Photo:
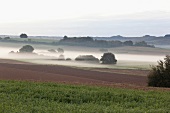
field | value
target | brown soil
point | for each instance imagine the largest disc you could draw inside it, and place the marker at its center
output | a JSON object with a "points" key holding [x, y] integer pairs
{"points": [[49, 73], [124, 71]]}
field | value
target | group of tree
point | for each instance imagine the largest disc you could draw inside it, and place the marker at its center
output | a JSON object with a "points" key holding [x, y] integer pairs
{"points": [[107, 58], [90, 42], [23, 35], [5, 38], [142, 44]]}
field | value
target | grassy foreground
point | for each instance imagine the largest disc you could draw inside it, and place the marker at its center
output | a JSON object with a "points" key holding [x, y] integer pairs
{"points": [[31, 97]]}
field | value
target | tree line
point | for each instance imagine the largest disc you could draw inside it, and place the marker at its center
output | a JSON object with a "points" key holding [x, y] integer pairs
{"points": [[90, 42], [83, 41]]}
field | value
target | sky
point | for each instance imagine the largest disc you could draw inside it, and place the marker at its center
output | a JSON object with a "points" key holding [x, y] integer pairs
{"points": [[85, 17]]}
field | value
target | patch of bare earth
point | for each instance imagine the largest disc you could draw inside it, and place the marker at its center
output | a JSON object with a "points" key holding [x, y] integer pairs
{"points": [[50, 73]]}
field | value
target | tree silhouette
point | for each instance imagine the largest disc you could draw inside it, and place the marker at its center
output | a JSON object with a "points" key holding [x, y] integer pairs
{"points": [[108, 58], [23, 35], [26, 49]]}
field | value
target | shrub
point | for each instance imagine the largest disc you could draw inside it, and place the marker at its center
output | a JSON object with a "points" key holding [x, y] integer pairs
{"points": [[86, 58], [26, 49], [160, 74]]}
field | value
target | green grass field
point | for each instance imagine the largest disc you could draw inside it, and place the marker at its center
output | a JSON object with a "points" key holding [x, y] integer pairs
{"points": [[33, 97]]}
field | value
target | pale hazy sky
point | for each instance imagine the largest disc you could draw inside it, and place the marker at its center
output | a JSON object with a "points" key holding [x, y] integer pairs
{"points": [[85, 17]]}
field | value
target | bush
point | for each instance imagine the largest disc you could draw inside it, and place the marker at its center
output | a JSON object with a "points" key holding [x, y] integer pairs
{"points": [[87, 58], [160, 74], [26, 49]]}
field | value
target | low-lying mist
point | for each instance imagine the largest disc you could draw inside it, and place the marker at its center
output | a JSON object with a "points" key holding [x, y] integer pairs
{"points": [[43, 56]]}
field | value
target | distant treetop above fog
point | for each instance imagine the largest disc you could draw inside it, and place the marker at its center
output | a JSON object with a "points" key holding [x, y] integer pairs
{"points": [[167, 36], [23, 35]]}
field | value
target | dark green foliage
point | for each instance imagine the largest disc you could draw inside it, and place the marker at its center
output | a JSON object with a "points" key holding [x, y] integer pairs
{"points": [[68, 59], [108, 58], [65, 37], [128, 43], [30, 97], [143, 44], [167, 36], [23, 35], [90, 42], [26, 49], [160, 74], [86, 58]]}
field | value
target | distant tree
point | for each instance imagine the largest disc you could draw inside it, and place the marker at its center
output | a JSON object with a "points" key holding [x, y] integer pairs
{"points": [[23, 35], [108, 58], [26, 49], [159, 76], [87, 39], [65, 37], [7, 38], [167, 36], [116, 43], [0, 38], [61, 57], [101, 43], [60, 50], [146, 36], [142, 43], [11, 52], [68, 59], [128, 43]]}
